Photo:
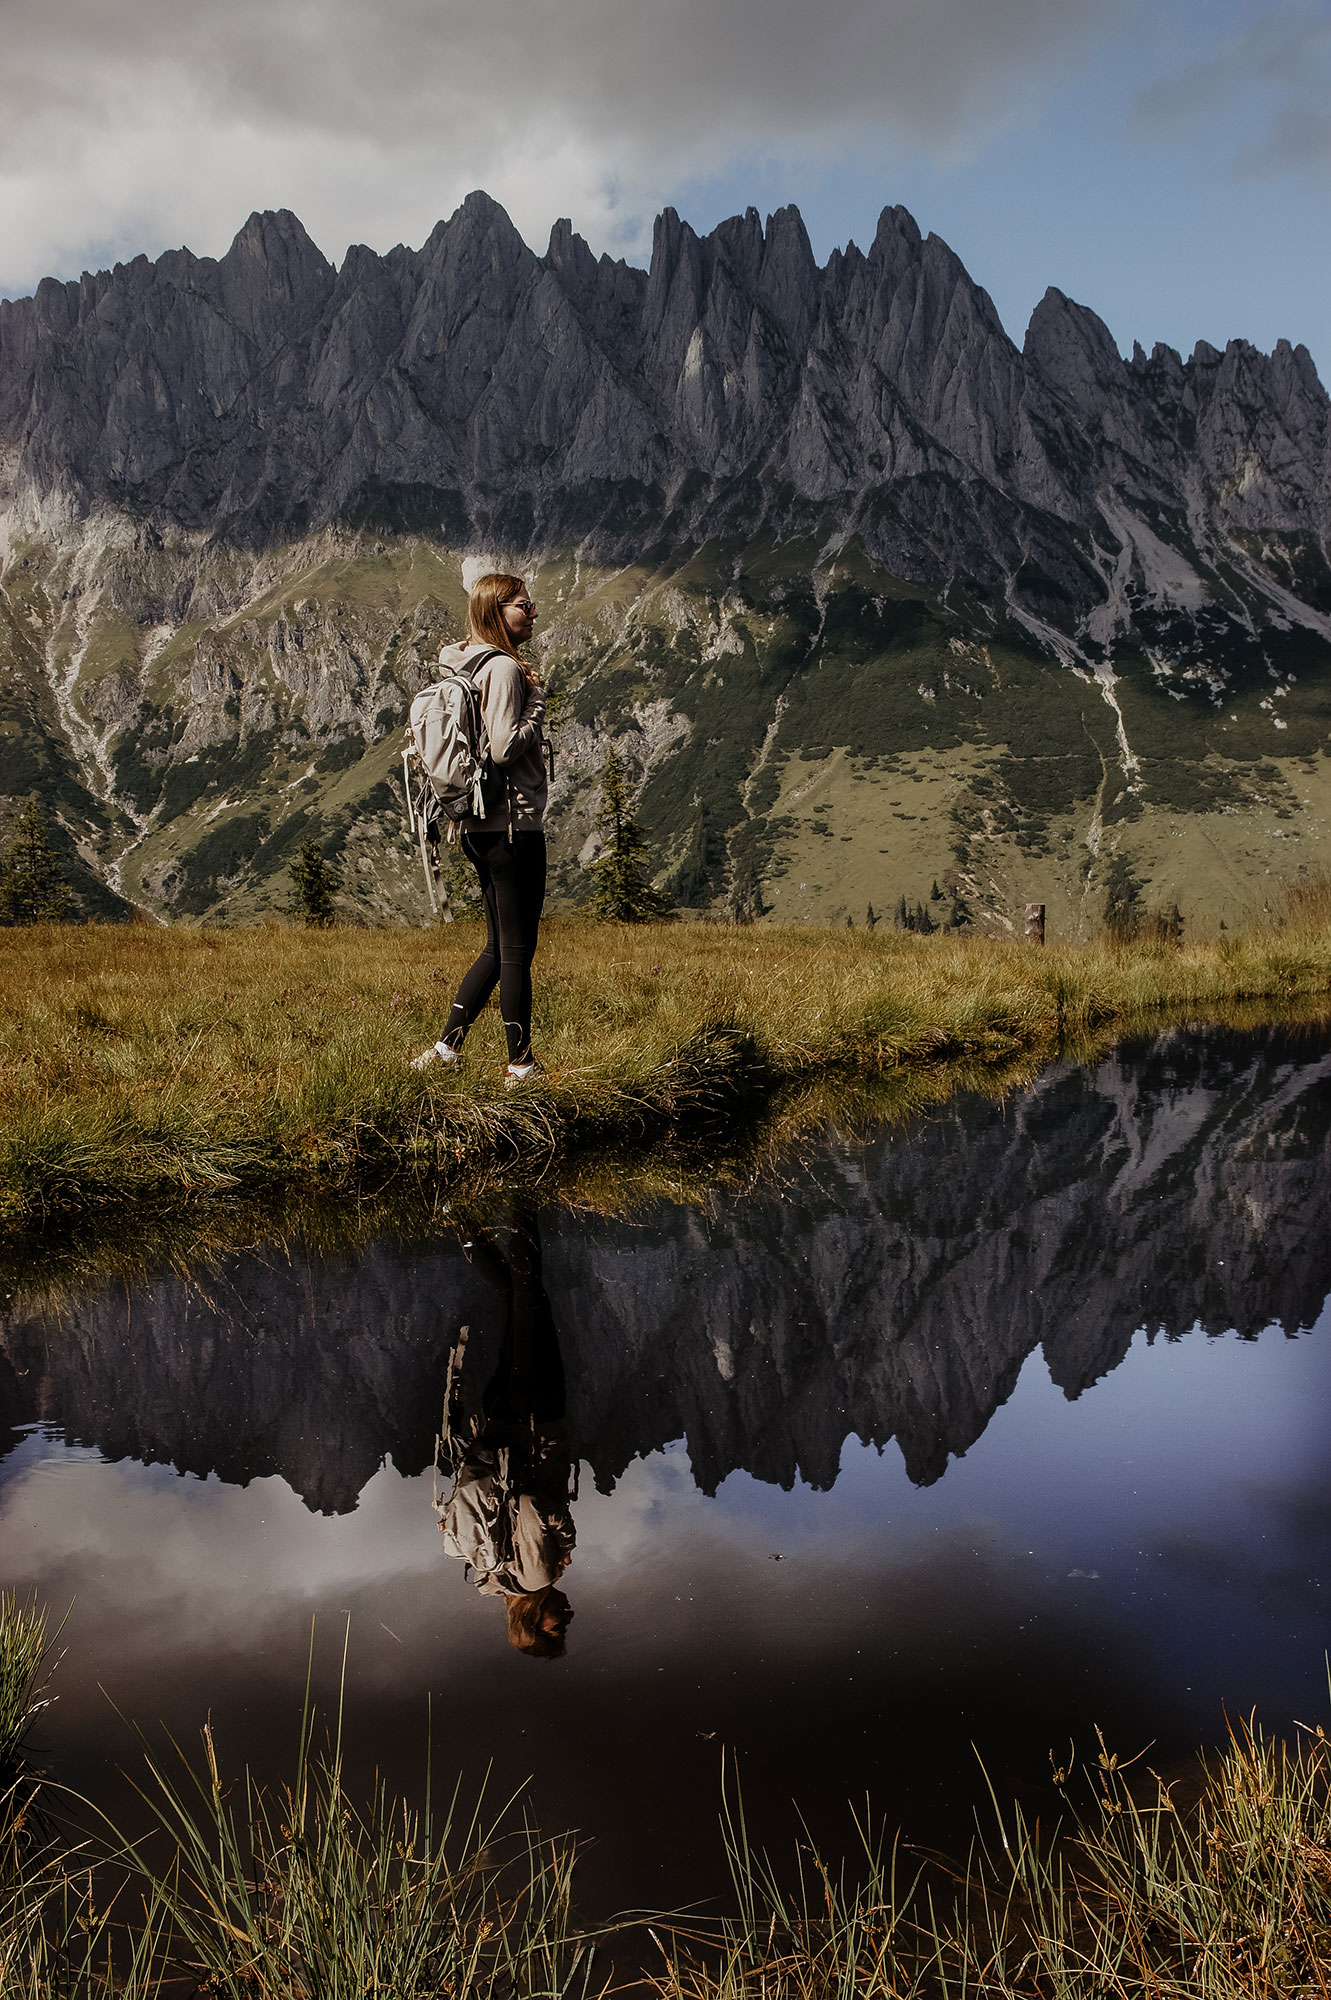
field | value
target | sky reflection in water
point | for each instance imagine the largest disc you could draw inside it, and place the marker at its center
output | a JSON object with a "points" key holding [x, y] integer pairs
{"points": [[1133, 1543]]}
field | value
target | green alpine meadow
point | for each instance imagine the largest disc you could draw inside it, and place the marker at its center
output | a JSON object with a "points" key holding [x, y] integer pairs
{"points": [[807, 738]]}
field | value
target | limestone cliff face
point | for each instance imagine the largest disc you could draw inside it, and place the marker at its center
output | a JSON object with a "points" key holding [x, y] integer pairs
{"points": [[896, 1294], [234, 496], [734, 384]]}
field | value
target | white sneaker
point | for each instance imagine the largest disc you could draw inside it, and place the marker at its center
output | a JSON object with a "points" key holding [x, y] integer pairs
{"points": [[519, 1072], [438, 1052]]}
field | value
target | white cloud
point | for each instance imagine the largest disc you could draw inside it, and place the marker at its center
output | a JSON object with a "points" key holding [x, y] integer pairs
{"points": [[151, 122]]}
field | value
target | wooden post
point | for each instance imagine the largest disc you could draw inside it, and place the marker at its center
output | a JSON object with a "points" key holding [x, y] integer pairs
{"points": [[1035, 923]]}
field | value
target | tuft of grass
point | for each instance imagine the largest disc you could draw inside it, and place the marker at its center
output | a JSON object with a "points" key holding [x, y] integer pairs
{"points": [[24, 1648], [1306, 907], [190, 1068], [1134, 1898], [836, 1934], [54, 1942], [297, 1892], [285, 1894]]}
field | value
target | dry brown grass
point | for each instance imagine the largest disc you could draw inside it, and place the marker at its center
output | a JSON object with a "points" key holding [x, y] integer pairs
{"points": [[168, 1065]]}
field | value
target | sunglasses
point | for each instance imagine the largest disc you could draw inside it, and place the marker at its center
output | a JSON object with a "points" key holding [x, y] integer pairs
{"points": [[519, 604]]}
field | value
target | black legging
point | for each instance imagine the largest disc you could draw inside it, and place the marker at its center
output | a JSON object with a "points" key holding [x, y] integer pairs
{"points": [[512, 874], [528, 1383]]}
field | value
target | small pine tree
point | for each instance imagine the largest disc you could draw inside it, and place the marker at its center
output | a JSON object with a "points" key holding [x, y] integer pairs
{"points": [[935, 894], [702, 866], [1124, 909], [316, 881], [621, 892], [870, 917], [746, 891], [33, 885]]}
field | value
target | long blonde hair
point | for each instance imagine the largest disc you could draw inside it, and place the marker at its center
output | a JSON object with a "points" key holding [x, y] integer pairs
{"points": [[485, 621]]}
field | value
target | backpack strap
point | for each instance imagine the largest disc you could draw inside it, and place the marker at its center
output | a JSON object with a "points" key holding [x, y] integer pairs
{"points": [[472, 667], [469, 672]]}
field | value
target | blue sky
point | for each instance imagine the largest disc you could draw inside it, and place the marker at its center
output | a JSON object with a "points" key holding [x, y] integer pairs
{"points": [[1173, 220], [1168, 165]]}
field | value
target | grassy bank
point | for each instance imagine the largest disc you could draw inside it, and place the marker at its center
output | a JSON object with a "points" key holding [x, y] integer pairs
{"points": [[139, 1065], [1139, 1893]]}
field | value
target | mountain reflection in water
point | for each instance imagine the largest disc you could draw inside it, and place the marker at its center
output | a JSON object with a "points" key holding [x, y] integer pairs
{"points": [[1132, 1558], [890, 1290]]}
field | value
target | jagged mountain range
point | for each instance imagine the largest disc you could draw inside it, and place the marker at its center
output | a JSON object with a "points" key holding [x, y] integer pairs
{"points": [[891, 1292], [794, 527]]}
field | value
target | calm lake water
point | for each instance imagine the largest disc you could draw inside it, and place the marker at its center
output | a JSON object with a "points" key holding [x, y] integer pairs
{"points": [[986, 1432]]}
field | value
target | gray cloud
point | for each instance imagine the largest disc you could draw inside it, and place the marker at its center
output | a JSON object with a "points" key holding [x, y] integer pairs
{"points": [[153, 121], [1271, 86]]}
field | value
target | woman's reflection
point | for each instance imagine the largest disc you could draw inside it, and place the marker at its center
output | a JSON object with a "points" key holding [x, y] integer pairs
{"points": [[507, 1516]]}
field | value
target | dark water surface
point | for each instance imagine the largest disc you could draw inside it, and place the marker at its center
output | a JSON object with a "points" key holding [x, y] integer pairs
{"points": [[983, 1433]]}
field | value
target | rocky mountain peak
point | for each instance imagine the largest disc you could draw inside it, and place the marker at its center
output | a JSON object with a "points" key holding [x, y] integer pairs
{"points": [[674, 275], [570, 255], [897, 238], [277, 240], [274, 279], [739, 239], [1075, 352], [475, 247]]}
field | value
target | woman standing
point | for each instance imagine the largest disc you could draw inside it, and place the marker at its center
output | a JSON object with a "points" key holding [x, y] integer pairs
{"points": [[507, 847]]}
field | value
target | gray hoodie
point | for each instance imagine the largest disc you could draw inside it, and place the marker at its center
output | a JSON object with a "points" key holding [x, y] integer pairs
{"points": [[513, 714]]}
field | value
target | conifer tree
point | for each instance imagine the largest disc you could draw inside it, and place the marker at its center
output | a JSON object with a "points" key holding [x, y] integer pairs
{"points": [[316, 881], [621, 891], [1124, 909], [702, 865], [33, 885], [746, 890]]}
